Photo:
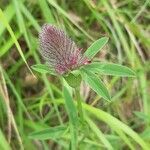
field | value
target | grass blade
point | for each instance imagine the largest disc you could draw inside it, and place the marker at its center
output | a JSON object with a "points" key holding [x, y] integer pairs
{"points": [[4, 145], [99, 134], [5, 48], [117, 124], [9, 13], [46, 10], [50, 133], [4, 21], [64, 13], [21, 22], [30, 17]]}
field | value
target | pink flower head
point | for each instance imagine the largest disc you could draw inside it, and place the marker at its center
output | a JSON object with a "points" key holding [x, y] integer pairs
{"points": [[59, 51]]}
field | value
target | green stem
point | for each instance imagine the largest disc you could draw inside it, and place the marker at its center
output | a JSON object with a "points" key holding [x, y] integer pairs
{"points": [[79, 103]]}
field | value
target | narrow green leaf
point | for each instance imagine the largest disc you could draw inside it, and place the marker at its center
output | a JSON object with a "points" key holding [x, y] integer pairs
{"points": [[142, 116], [41, 68], [146, 134], [96, 84], [21, 21], [4, 145], [66, 15], [30, 17], [73, 117], [70, 106], [116, 124], [6, 47], [46, 10], [96, 47], [99, 134], [110, 69], [125, 138], [9, 13], [50, 133], [3, 19]]}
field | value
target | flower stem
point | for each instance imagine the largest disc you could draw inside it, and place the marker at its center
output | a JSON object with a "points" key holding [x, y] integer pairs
{"points": [[79, 103]]}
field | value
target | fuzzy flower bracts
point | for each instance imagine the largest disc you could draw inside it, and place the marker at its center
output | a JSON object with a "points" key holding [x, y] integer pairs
{"points": [[59, 51]]}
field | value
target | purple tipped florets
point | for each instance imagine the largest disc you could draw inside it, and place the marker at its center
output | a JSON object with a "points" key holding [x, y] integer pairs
{"points": [[59, 51]]}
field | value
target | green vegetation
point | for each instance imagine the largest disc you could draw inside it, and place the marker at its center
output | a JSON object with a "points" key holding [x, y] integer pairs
{"points": [[37, 112]]}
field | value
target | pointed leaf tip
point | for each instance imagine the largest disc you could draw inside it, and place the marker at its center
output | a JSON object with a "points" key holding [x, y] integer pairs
{"points": [[96, 84], [96, 47]]}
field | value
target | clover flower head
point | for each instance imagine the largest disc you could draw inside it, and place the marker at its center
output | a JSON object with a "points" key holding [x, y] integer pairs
{"points": [[59, 51]]}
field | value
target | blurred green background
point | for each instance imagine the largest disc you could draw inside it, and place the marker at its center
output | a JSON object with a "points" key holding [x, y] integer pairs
{"points": [[26, 102]]}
